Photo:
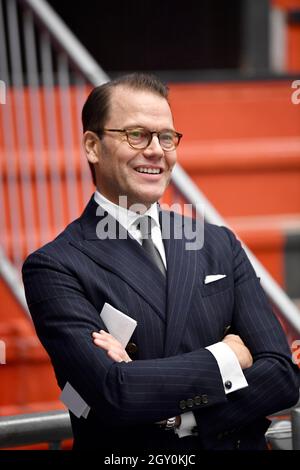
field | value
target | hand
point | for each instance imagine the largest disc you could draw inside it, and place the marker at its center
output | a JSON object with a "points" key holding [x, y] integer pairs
{"points": [[240, 350], [111, 345]]}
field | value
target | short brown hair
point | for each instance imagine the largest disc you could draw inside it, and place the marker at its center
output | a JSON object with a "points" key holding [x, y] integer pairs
{"points": [[96, 108]]}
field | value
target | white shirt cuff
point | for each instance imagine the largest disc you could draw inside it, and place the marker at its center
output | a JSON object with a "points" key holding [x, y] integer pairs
{"points": [[230, 369], [188, 422]]}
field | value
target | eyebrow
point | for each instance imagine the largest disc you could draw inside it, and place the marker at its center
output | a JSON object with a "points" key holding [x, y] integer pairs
{"points": [[139, 126]]}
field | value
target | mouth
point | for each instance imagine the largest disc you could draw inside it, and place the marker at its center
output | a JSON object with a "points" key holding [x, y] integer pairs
{"points": [[149, 170]]}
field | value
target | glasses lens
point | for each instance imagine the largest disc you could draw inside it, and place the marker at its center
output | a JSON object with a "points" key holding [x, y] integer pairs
{"points": [[138, 138], [168, 140]]}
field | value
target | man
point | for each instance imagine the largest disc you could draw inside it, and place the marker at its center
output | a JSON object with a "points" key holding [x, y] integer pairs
{"points": [[180, 384]]}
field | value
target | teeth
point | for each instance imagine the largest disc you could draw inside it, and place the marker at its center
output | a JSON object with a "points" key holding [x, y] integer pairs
{"points": [[152, 171]]}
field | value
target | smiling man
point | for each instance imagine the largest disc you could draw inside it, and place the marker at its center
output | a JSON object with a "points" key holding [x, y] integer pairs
{"points": [[183, 381], [140, 169]]}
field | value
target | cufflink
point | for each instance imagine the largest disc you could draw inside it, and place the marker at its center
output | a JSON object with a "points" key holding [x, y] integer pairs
{"points": [[228, 384], [171, 423]]}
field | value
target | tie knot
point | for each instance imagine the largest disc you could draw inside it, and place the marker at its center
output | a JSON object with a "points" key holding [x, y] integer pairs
{"points": [[144, 224]]}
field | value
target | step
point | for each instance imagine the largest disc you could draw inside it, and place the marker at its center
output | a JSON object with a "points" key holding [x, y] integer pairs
{"points": [[241, 144], [27, 378], [275, 241], [235, 110]]}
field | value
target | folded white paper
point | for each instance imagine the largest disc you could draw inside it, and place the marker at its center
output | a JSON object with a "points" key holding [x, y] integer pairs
{"points": [[119, 325], [213, 277], [74, 402]]}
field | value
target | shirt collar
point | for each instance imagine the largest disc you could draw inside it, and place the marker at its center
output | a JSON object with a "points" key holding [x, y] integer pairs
{"points": [[125, 217]]}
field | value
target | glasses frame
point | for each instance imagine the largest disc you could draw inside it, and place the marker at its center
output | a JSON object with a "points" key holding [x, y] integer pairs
{"points": [[150, 133]]}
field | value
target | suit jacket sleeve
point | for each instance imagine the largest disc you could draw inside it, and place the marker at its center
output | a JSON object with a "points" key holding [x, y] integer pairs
{"points": [[273, 380]]}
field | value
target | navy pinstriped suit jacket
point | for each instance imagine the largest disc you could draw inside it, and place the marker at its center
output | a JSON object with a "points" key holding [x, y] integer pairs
{"points": [[67, 282]]}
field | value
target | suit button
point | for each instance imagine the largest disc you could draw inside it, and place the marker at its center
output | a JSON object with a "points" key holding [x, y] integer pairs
{"points": [[228, 384], [182, 404], [204, 399], [197, 400], [190, 403], [131, 349]]}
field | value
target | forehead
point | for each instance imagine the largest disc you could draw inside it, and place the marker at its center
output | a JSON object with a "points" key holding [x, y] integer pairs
{"points": [[138, 107]]}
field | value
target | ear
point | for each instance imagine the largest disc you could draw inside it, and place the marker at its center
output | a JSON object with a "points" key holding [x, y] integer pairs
{"points": [[91, 146]]}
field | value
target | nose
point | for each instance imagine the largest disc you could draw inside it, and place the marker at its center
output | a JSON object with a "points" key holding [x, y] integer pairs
{"points": [[154, 148]]}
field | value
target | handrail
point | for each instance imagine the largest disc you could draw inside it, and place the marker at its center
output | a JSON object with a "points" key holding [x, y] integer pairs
{"points": [[55, 426], [67, 41], [35, 428], [12, 279], [193, 194], [296, 428]]}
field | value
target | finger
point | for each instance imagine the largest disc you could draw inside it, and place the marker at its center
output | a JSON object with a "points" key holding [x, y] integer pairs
{"points": [[105, 334], [102, 334], [101, 337], [107, 345], [108, 341], [115, 355], [108, 337], [232, 337], [95, 334], [102, 344]]}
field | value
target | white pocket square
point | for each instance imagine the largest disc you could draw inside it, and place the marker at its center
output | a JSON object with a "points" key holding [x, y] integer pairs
{"points": [[213, 277]]}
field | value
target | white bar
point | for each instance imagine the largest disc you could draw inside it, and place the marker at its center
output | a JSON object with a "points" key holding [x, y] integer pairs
{"points": [[22, 129], [278, 40], [52, 132], [296, 428], [68, 140], [36, 118], [3, 49], [86, 176], [10, 275], [3, 108]]}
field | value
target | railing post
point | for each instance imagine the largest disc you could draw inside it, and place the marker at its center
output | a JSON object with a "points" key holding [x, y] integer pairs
{"points": [[296, 428]]}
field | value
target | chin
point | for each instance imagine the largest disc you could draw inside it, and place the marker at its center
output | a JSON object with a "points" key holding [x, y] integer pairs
{"points": [[146, 200], [152, 198], [148, 197]]}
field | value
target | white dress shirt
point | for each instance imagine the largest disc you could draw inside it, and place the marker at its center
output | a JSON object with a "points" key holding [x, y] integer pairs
{"points": [[227, 361]]}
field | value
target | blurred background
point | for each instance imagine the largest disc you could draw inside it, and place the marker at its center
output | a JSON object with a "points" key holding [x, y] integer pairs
{"points": [[233, 68]]}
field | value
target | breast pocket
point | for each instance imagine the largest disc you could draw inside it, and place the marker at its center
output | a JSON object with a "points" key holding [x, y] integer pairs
{"points": [[216, 287]]}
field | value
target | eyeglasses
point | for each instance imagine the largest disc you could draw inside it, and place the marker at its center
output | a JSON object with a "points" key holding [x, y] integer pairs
{"points": [[139, 138]]}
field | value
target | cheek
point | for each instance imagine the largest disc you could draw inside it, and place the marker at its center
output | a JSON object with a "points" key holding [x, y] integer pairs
{"points": [[171, 160]]}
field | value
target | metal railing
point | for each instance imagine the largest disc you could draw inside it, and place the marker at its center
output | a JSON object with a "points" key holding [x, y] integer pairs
{"points": [[9, 273], [55, 426], [296, 428], [27, 429], [46, 88]]}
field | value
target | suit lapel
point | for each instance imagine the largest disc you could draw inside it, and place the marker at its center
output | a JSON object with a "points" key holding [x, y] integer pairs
{"points": [[184, 274], [122, 256]]}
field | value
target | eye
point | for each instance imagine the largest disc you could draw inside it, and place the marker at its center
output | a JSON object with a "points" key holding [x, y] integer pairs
{"points": [[136, 134], [166, 137]]}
